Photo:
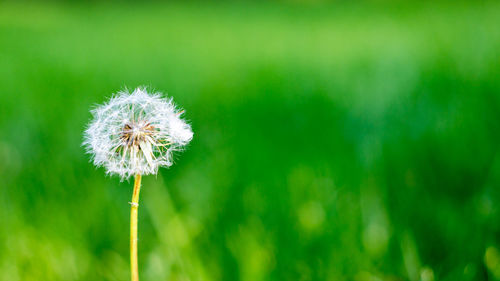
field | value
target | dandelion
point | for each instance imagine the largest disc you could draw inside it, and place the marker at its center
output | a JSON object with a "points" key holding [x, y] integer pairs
{"points": [[134, 135]]}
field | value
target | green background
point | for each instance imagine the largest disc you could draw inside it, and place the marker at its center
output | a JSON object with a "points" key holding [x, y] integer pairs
{"points": [[333, 141]]}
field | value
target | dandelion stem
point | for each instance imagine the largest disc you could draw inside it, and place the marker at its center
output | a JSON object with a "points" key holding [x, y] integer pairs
{"points": [[134, 268]]}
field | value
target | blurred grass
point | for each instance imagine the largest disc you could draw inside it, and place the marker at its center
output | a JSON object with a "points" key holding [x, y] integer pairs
{"points": [[332, 142]]}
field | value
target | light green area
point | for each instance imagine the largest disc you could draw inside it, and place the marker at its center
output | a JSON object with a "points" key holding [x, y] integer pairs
{"points": [[332, 141]]}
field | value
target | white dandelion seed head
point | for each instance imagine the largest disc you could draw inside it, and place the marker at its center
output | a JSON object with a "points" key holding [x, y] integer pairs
{"points": [[136, 133]]}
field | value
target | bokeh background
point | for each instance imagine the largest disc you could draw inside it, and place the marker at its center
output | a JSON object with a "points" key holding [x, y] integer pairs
{"points": [[333, 140]]}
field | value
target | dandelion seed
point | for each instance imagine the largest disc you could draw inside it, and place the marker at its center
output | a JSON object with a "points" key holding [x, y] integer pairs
{"points": [[136, 133]]}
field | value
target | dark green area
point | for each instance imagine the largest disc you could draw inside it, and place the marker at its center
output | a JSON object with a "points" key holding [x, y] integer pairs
{"points": [[332, 142]]}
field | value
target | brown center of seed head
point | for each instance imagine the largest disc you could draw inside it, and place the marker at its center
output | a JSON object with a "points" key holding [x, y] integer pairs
{"points": [[133, 133]]}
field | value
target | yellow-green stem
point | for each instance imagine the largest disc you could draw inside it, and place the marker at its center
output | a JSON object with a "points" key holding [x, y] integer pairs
{"points": [[134, 268]]}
